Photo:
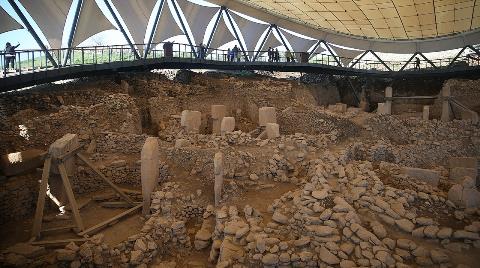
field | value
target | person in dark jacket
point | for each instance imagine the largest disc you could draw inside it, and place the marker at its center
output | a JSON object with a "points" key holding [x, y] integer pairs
{"points": [[10, 55]]}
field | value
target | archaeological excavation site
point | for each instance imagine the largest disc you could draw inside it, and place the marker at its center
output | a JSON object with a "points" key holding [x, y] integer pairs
{"points": [[240, 169]]}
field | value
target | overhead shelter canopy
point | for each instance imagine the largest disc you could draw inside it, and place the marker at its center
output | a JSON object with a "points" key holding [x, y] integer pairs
{"points": [[289, 19], [222, 35], [7, 23], [90, 22], [50, 16], [389, 19], [135, 14], [250, 31], [298, 43], [346, 55], [198, 17], [167, 26]]}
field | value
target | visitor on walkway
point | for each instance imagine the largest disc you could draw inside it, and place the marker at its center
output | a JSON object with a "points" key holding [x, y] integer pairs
{"points": [[288, 55], [417, 63], [10, 56], [201, 51], [229, 53], [270, 54], [277, 55], [236, 54]]}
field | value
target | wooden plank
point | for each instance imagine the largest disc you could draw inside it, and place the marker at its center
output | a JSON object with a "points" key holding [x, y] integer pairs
{"points": [[56, 243], [105, 179], [68, 154], [71, 197], [54, 229], [131, 191], [42, 193], [105, 196], [80, 205], [115, 204], [101, 225]]}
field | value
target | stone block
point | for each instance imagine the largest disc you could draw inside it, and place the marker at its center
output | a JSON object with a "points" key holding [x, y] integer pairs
{"points": [[21, 162], [469, 115], [465, 162], [429, 176], [218, 172], [191, 120], [149, 170], [228, 125], [266, 115], [273, 130], [388, 92], [382, 108], [61, 146], [426, 112], [181, 143], [219, 111], [341, 107], [458, 173]]}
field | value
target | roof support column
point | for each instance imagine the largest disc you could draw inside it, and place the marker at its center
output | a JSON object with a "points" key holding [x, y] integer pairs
{"points": [[214, 28], [263, 43], [182, 23], [32, 32], [154, 29], [134, 50], [331, 52], [281, 37], [72, 31], [235, 32], [313, 50]]}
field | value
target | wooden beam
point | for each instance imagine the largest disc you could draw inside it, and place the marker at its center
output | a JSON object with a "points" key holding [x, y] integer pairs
{"points": [[42, 193], [116, 204], [101, 225], [56, 243], [67, 155], [54, 229], [105, 179], [71, 197]]}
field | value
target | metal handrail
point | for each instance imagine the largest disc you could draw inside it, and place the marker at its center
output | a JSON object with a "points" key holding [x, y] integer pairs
{"points": [[36, 60]]}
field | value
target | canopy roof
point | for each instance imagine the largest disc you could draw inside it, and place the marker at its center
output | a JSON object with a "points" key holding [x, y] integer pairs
{"points": [[385, 19]]}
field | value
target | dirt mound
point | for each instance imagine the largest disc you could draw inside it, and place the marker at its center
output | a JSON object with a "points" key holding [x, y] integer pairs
{"points": [[314, 121]]}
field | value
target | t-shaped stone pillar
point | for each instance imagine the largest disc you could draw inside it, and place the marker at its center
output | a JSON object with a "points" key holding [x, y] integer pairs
{"points": [[191, 120], [149, 171], [388, 100], [228, 125], [446, 109], [61, 146], [218, 171], [266, 115], [218, 113]]}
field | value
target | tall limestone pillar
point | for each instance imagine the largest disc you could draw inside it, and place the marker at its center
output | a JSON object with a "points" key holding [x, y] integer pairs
{"points": [[218, 171], [149, 170], [218, 113], [446, 109], [388, 100]]}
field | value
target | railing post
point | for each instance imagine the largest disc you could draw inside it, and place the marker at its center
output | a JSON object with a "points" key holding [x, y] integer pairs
{"points": [[19, 63]]}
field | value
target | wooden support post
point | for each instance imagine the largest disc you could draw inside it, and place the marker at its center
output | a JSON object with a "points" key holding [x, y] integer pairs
{"points": [[37, 222], [105, 179], [71, 197], [107, 222]]}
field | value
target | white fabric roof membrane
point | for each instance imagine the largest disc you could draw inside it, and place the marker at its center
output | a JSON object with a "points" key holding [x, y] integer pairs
{"points": [[298, 43], [272, 41], [167, 26], [251, 31], [197, 17], [136, 14], [318, 50], [7, 23], [347, 55], [50, 16], [222, 35], [90, 22]]}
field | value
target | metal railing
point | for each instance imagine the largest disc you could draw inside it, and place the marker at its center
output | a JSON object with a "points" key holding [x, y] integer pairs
{"points": [[28, 61]]}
